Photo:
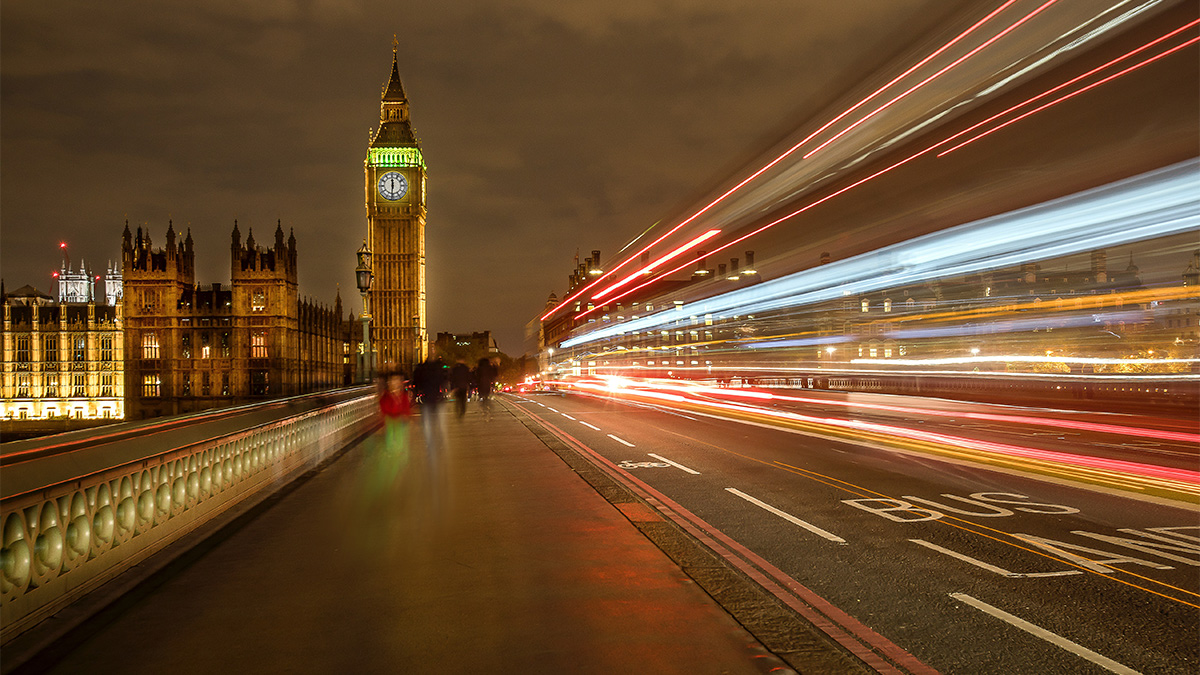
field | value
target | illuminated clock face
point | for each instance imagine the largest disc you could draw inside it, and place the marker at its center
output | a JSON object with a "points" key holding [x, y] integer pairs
{"points": [[392, 185]]}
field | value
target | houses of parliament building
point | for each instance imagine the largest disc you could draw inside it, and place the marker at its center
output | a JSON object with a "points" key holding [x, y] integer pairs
{"points": [[190, 347]]}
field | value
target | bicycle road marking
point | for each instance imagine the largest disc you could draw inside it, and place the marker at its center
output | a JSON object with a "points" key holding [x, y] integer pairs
{"points": [[630, 464]]}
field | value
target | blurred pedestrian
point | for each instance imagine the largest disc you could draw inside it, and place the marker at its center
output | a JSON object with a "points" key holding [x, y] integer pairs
{"points": [[429, 381], [460, 383], [485, 379], [395, 406]]}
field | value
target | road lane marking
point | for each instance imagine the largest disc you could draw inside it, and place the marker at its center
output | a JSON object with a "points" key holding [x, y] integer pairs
{"points": [[992, 568], [999, 536], [677, 466], [1052, 638], [965, 558], [621, 440], [567, 416], [858, 638], [550, 409], [590, 426], [788, 517]]}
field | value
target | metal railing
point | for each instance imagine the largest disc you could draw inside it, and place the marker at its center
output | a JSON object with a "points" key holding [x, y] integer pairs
{"points": [[72, 535]]}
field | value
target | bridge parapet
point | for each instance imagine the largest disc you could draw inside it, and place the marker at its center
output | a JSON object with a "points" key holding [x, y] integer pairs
{"points": [[72, 533]]}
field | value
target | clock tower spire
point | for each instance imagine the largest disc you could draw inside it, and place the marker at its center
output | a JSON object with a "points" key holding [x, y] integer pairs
{"points": [[395, 200]]}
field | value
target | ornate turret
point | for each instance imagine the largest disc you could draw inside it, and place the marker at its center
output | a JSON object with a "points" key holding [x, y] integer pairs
{"points": [[1191, 276], [394, 127]]}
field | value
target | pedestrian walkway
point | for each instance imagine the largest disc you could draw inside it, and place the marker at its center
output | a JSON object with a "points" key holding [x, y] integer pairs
{"points": [[483, 554]]}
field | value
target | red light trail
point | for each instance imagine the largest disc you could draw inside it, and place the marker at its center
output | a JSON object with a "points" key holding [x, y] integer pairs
{"points": [[951, 139], [927, 80], [778, 159], [1071, 95], [650, 268]]}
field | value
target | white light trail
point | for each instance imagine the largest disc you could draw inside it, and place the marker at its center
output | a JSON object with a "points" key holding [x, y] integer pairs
{"points": [[1155, 204]]}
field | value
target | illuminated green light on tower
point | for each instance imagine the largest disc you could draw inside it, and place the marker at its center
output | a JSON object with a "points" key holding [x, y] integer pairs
{"points": [[390, 157]]}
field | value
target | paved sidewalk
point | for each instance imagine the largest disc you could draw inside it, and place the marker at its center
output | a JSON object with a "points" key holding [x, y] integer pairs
{"points": [[487, 555]]}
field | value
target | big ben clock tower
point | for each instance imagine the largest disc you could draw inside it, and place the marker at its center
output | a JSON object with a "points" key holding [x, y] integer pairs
{"points": [[395, 190]]}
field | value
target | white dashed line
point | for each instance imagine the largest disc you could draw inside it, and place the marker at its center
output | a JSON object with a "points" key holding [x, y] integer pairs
{"points": [[788, 517], [621, 440], [589, 425], [992, 568], [551, 409], [677, 466], [567, 416], [1052, 638]]}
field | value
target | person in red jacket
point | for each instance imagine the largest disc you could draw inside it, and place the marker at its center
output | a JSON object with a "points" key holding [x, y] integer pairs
{"points": [[394, 405]]}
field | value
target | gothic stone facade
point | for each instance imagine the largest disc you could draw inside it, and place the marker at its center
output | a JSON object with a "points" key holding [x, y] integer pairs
{"points": [[61, 360], [192, 348]]}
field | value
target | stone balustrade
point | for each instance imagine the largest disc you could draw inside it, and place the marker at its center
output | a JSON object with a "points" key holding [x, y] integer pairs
{"points": [[76, 532]]}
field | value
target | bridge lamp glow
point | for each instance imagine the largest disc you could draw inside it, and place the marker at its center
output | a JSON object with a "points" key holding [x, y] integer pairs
{"points": [[830, 350], [974, 351]]}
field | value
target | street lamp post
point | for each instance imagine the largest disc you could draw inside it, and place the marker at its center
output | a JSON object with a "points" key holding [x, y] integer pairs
{"points": [[363, 276], [418, 341]]}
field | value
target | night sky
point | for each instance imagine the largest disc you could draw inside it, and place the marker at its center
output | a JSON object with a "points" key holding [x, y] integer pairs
{"points": [[548, 127]]}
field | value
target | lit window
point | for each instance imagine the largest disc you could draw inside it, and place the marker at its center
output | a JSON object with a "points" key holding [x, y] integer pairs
{"points": [[258, 301], [865, 305], [151, 386], [258, 345], [23, 349], [79, 347], [887, 305], [150, 345]]}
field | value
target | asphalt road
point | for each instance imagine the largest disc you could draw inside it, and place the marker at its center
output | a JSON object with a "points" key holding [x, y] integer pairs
{"points": [[969, 568]]}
